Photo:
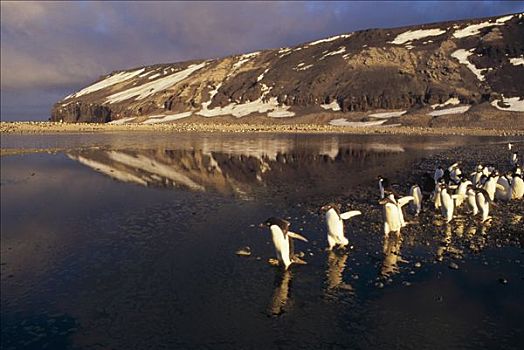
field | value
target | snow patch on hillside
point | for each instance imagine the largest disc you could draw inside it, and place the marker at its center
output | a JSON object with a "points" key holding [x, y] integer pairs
{"points": [[386, 115], [454, 110], [341, 50], [333, 106], [451, 101], [517, 61], [261, 76], [515, 104], [122, 121], [345, 122], [410, 35], [242, 59], [239, 110], [462, 56], [111, 80], [327, 40], [163, 118], [151, 88], [474, 29]]}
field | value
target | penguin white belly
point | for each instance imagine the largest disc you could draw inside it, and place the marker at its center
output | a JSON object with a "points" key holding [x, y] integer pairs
{"points": [[517, 188], [416, 205], [462, 192], [504, 192], [436, 199], [335, 227], [483, 206], [281, 245], [490, 186], [472, 202], [447, 205], [392, 217]]}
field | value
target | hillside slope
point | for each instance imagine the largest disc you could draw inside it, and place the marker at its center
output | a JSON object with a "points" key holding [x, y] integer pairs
{"points": [[439, 69]]}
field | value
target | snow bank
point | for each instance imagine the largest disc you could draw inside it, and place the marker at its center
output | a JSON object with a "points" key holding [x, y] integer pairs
{"points": [[111, 80], [474, 29], [151, 88], [462, 56], [411, 35], [164, 118], [454, 110], [516, 104], [122, 121], [387, 114], [341, 50], [517, 61], [451, 101], [327, 40], [243, 109], [333, 106], [345, 122]]}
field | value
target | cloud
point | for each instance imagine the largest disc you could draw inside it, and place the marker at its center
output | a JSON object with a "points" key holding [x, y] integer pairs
{"points": [[63, 46]]}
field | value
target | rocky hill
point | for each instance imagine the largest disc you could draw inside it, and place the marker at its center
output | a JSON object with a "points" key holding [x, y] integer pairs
{"points": [[370, 77]]}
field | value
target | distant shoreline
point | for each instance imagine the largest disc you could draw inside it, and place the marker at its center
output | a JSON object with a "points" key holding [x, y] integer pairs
{"points": [[68, 128]]}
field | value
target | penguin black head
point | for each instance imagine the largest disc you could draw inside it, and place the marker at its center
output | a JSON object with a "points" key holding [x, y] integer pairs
{"points": [[334, 206], [283, 224]]}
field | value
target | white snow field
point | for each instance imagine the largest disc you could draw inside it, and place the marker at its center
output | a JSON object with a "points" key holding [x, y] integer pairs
{"points": [[454, 110], [122, 121], [474, 29], [462, 56], [109, 81], [239, 110], [451, 101], [410, 35], [516, 104], [327, 40], [164, 118], [385, 115], [333, 106], [345, 122], [151, 88], [341, 50]]}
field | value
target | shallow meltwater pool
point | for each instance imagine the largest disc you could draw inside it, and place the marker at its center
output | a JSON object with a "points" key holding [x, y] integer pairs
{"points": [[130, 241]]}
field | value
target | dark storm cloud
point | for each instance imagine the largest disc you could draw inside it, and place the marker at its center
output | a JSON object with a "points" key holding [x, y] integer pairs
{"points": [[50, 49]]}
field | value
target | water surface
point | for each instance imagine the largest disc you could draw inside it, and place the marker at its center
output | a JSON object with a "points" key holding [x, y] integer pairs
{"points": [[128, 241]]}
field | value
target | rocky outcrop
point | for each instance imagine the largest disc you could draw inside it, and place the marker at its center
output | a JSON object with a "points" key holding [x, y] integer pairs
{"points": [[471, 62]]}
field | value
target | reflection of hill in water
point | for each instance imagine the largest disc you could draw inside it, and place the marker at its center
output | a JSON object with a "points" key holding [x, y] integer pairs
{"points": [[238, 172]]}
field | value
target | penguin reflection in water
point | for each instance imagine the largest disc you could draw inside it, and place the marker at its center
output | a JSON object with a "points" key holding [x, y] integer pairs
{"points": [[335, 224], [283, 241], [280, 299]]}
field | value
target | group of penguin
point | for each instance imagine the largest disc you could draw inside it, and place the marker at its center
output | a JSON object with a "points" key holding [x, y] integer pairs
{"points": [[448, 189]]}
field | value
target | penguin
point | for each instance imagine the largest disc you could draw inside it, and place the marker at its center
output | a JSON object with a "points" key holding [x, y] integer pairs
{"points": [[393, 217], [383, 185], [514, 160], [461, 191], [517, 187], [491, 185], [455, 172], [416, 204], [475, 176], [436, 197], [428, 184], [503, 192], [439, 172], [447, 201], [335, 224], [471, 200], [483, 202], [282, 239]]}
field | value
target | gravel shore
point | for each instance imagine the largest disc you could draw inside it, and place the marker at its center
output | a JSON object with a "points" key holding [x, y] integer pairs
{"points": [[50, 127]]}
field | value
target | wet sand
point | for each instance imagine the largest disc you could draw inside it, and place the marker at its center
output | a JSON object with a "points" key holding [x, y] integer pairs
{"points": [[50, 127]]}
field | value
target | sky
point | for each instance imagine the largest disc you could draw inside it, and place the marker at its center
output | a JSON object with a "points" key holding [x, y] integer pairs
{"points": [[51, 49]]}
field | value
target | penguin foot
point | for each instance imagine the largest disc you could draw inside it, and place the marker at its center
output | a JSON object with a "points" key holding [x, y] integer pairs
{"points": [[298, 261]]}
